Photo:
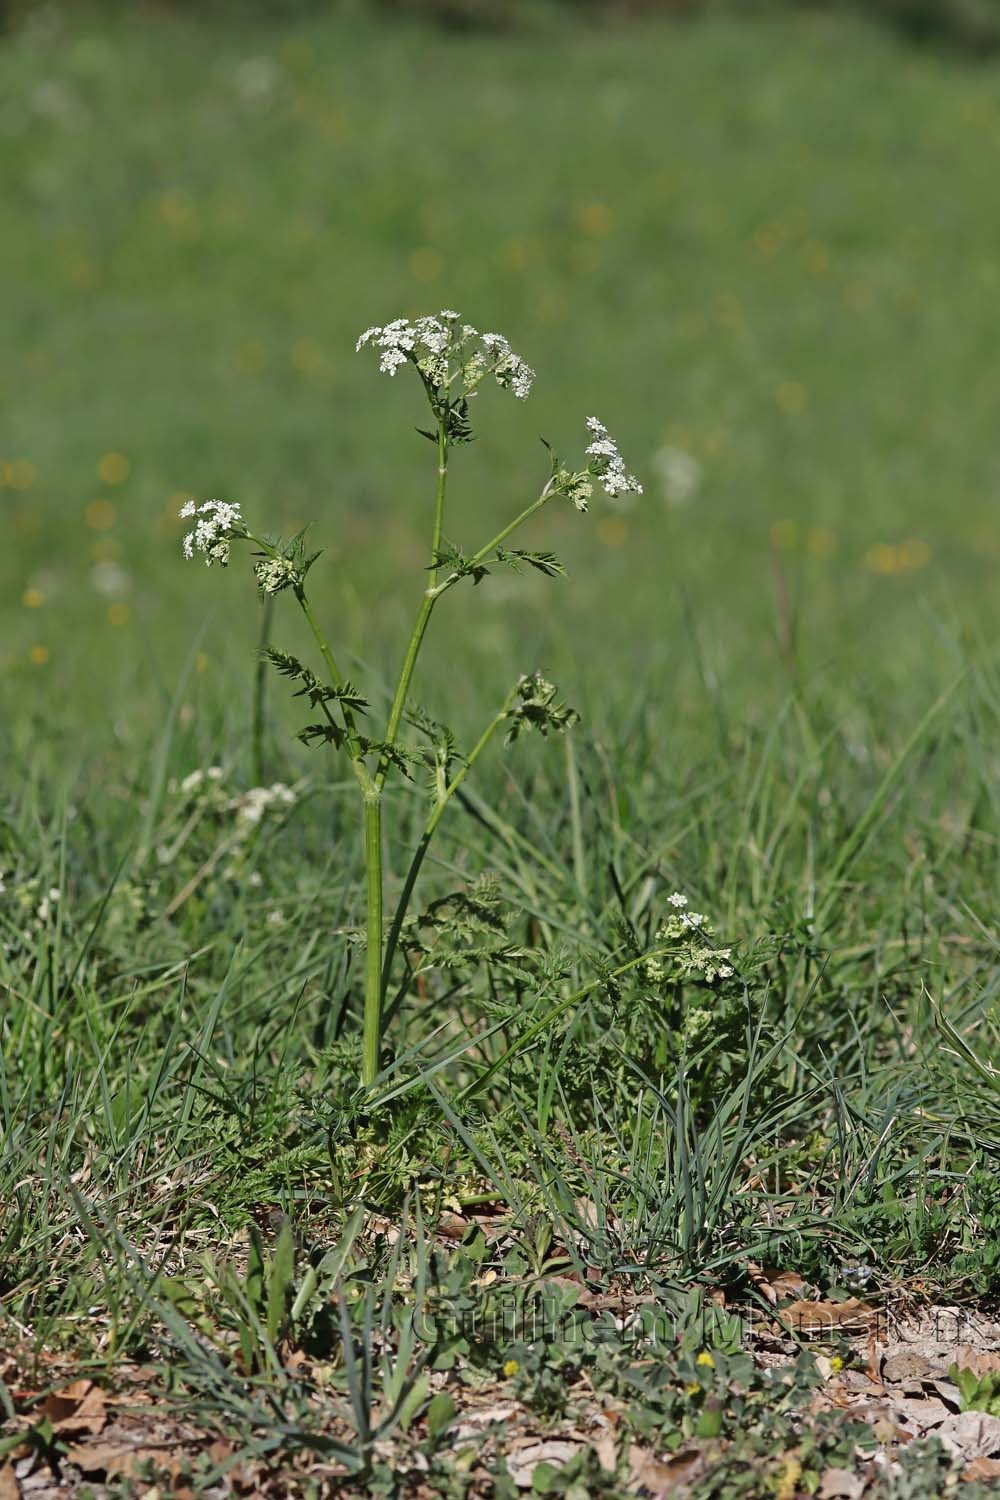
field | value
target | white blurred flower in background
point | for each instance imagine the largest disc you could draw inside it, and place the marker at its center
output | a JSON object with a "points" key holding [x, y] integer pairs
{"points": [[679, 474], [110, 579], [256, 80]]}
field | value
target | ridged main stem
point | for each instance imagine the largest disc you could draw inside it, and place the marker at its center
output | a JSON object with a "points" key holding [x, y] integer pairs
{"points": [[373, 930], [375, 981]]}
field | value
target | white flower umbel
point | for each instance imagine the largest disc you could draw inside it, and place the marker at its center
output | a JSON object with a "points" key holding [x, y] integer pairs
{"points": [[692, 954], [194, 780], [396, 341], [509, 369], [607, 464], [251, 806], [217, 523], [447, 351]]}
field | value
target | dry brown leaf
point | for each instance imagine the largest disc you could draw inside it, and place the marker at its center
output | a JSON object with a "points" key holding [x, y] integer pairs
{"points": [[452, 1226], [775, 1285], [981, 1468], [661, 1476], [476, 1420], [919, 1412], [606, 1451], [524, 1456], [105, 1458], [79, 1407], [971, 1434], [9, 1487], [820, 1317], [840, 1484], [980, 1362], [587, 1213]]}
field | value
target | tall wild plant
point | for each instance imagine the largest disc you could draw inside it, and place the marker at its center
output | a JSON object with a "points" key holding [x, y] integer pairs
{"points": [[453, 361]]}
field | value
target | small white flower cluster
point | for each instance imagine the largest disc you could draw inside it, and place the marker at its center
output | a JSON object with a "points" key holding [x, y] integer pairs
{"points": [[396, 340], [436, 344], [48, 901], [36, 906], [251, 805], [693, 957], [509, 369], [217, 524], [275, 574], [196, 779], [607, 463]]}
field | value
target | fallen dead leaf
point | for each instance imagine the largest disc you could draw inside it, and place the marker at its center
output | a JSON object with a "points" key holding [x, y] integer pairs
{"points": [[606, 1450], [452, 1226], [9, 1487], [981, 1468], [476, 1420], [79, 1407], [775, 1285], [661, 1476], [525, 1456], [840, 1484], [920, 1412], [820, 1317], [971, 1434], [980, 1362], [113, 1459]]}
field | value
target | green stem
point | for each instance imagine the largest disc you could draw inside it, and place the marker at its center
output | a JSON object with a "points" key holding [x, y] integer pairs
{"points": [[335, 674], [374, 990], [372, 1037], [403, 687], [402, 906], [337, 680], [423, 617], [329, 661], [260, 693], [436, 590], [439, 500]]}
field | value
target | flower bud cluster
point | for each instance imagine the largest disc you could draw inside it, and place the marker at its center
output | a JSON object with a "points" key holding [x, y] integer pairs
{"points": [[275, 574]]}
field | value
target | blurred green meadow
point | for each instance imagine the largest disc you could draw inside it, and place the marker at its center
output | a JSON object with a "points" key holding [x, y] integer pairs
{"points": [[763, 251]]}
